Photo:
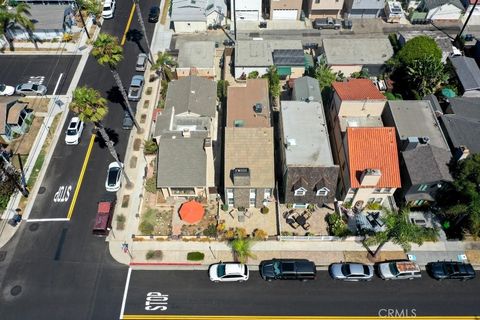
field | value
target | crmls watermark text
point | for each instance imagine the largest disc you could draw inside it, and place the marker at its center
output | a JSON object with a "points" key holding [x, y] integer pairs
{"points": [[396, 313]]}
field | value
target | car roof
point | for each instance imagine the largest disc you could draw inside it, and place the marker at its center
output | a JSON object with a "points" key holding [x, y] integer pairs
{"points": [[137, 78], [142, 55], [233, 268], [113, 165], [356, 268]]}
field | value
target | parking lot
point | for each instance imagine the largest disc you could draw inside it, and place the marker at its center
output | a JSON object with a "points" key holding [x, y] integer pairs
{"points": [[42, 69]]}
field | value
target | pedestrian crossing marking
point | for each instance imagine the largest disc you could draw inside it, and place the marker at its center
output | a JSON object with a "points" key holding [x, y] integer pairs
{"points": [[36, 79]]}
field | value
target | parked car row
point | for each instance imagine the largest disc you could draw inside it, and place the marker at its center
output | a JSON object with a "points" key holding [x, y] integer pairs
{"points": [[304, 270], [24, 89]]}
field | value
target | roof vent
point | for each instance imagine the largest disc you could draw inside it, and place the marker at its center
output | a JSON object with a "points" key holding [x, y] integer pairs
{"points": [[310, 98], [258, 108]]}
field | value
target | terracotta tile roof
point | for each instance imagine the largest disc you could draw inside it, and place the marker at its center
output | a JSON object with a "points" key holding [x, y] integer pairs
{"points": [[373, 148], [358, 89]]}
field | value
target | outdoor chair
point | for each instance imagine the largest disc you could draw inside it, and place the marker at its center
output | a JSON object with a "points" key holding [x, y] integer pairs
{"points": [[294, 224], [306, 226], [307, 214]]}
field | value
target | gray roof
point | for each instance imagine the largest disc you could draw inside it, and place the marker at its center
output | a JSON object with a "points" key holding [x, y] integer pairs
{"points": [[465, 107], [437, 108], [427, 163], [357, 51], [462, 131], [415, 118], [306, 88], [305, 133], [192, 94], [181, 162], [288, 57], [196, 10], [48, 17], [197, 54], [432, 4], [467, 72], [259, 53]]}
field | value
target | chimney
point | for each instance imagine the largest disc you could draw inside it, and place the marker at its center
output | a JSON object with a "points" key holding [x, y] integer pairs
{"points": [[410, 143], [370, 177], [241, 177]]}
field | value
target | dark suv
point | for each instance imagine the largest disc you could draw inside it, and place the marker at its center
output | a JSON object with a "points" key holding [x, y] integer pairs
{"points": [[287, 269], [441, 270]]}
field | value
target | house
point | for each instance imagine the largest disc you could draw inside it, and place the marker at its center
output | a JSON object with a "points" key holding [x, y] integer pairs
{"points": [[186, 134], [442, 40], [285, 9], [15, 118], [323, 9], [469, 5], [468, 74], [257, 55], [424, 151], [308, 172], [196, 58], [245, 10], [306, 89], [363, 9], [370, 172], [50, 22], [353, 55], [438, 10], [461, 126], [249, 176], [197, 15]]}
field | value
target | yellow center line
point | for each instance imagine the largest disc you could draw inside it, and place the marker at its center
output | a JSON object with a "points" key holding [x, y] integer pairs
{"points": [[80, 178], [127, 27]]}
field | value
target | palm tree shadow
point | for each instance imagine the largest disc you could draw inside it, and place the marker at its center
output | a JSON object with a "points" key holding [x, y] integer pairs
{"points": [[115, 96], [112, 134], [136, 36]]}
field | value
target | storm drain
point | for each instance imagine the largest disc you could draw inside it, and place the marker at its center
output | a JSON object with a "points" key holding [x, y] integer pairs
{"points": [[15, 291], [42, 190], [33, 226]]}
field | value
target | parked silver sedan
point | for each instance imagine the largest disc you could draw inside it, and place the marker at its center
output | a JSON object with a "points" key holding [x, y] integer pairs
{"points": [[351, 271], [31, 89]]}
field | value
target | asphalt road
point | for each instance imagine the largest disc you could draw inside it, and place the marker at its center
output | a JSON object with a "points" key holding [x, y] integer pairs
{"points": [[192, 293], [17, 69], [59, 270]]}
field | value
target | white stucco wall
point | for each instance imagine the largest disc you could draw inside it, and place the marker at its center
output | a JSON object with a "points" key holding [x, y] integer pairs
{"points": [[445, 12], [190, 27]]}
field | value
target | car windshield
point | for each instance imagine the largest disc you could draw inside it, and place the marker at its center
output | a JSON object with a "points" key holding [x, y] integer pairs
{"points": [[346, 270], [221, 270], [34, 86], [276, 268], [71, 132], [106, 8], [2, 87], [112, 176], [393, 269]]}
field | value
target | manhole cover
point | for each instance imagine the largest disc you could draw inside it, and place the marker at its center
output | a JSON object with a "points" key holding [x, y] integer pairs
{"points": [[42, 190], [15, 291], [3, 254], [33, 226]]}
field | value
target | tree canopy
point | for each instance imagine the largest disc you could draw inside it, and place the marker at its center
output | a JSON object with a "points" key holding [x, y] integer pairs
{"points": [[107, 50], [419, 48], [88, 104]]}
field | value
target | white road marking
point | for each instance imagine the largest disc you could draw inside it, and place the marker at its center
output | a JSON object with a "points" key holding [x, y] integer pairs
{"points": [[47, 219], [127, 283], [63, 194], [37, 80]]}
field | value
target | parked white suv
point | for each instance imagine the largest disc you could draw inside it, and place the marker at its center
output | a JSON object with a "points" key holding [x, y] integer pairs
{"points": [[74, 131], [228, 272], [108, 9], [399, 270]]}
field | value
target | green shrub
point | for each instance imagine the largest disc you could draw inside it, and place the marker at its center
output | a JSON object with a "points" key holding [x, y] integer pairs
{"points": [[154, 254], [150, 147], [253, 75], [146, 228], [337, 226], [264, 210], [151, 185], [211, 231], [195, 256], [374, 206], [150, 254], [121, 218], [4, 201], [225, 207]]}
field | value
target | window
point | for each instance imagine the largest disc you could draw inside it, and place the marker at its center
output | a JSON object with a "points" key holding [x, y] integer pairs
{"points": [[423, 187], [379, 200], [317, 1], [267, 194], [387, 190], [323, 192], [371, 200], [300, 192], [252, 198], [377, 190]]}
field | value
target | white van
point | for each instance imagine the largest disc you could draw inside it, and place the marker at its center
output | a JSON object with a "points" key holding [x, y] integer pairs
{"points": [[108, 9]]}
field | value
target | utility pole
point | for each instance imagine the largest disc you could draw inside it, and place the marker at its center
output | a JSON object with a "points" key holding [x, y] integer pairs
{"points": [[83, 21], [142, 25]]}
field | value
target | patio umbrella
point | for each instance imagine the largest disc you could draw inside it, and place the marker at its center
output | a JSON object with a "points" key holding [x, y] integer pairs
{"points": [[192, 211]]}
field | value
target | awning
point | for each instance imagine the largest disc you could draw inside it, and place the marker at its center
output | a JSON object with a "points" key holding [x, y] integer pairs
{"points": [[192, 211], [14, 112], [284, 71]]}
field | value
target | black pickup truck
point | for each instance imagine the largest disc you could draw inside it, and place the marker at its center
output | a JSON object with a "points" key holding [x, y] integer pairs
{"points": [[288, 269]]}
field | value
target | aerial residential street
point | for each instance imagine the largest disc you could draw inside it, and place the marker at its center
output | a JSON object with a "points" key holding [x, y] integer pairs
{"points": [[58, 268]]}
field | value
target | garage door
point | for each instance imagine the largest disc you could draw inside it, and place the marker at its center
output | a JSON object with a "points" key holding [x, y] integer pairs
{"points": [[285, 14], [364, 13], [248, 15]]}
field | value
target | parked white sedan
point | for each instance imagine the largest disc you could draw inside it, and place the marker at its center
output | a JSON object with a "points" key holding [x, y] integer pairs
{"points": [[228, 272], [114, 177], [6, 90]]}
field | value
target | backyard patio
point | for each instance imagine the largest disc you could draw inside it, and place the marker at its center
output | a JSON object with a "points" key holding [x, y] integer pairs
{"points": [[301, 222]]}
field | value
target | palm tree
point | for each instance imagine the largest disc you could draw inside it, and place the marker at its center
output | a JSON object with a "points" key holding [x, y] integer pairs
{"points": [[470, 210], [400, 231], [108, 52], [242, 249], [164, 65], [91, 107], [142, 25], [20, 15]]}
